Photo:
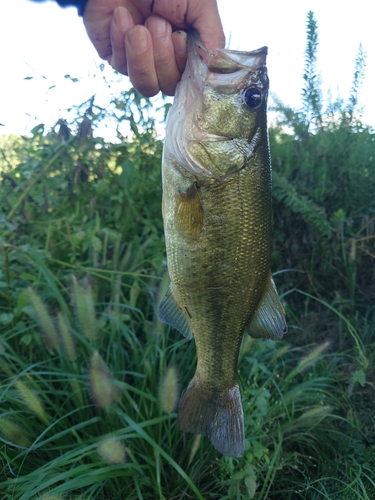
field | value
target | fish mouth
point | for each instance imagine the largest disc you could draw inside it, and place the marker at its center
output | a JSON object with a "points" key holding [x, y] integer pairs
{"points": [[201, 135], [222, 68], [215, 138], [226, 61], [247, 148]]}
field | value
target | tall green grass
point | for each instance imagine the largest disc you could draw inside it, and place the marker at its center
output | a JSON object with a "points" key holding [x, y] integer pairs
{"points": [[88, 396]]}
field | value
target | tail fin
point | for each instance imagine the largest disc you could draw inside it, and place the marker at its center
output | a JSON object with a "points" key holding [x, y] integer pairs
{"points": [[215, 414]]}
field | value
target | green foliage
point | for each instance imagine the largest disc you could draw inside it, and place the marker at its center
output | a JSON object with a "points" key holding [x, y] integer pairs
{"points": [[359, 75], [311, 93], [324, 184], [89, 379], [286, 193]]}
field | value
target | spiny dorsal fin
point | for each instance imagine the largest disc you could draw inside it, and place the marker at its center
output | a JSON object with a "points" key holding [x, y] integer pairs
{"points": [[268, 321], [170, 313]]}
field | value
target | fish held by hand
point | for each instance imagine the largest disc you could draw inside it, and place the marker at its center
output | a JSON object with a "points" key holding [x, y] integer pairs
{"points": [[218, 228]]}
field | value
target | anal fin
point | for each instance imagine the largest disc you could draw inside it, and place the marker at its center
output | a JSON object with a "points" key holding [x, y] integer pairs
{"points": [[170, 313], [268, 321]]}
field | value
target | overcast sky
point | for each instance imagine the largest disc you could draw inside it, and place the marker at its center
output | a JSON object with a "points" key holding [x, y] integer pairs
{"points": [[46, 43]]}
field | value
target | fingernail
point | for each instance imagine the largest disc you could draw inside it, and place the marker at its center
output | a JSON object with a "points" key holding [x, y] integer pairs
{"points": [[180, 37], [122, 18], [158, 26], [138, 39]]}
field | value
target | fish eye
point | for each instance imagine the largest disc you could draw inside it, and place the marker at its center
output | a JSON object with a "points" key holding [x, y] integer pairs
{"points": [[252, 97]]}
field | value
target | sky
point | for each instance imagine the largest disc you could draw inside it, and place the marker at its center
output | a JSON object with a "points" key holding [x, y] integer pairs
{"points": [[42, 43]]}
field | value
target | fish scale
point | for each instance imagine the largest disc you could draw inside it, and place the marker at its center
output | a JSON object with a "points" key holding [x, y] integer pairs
{"points": [[218, 230]]}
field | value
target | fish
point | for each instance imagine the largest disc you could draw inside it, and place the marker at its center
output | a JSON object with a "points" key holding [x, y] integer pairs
{"points": [[217, 212]]}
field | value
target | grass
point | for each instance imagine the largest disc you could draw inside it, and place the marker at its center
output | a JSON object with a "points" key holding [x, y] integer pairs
{"points": [[77, 376]]}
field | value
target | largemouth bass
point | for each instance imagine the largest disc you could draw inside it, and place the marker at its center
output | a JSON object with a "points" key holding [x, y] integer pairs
{"points": [[218, 229]]}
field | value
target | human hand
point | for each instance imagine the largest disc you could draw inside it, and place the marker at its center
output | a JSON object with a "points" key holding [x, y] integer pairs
{"points": [[139, 38]]}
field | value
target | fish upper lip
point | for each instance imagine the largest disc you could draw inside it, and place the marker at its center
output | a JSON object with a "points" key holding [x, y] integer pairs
{"points": [[249, 60]]}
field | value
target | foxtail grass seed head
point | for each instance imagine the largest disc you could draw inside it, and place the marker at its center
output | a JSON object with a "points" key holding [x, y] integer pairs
{"points": [[66, 337], [85, 309], [13, 433], [169, 388], [112, 451], [194, 447], [102, 389], [310, 359], [45, 320], [31, 400]]}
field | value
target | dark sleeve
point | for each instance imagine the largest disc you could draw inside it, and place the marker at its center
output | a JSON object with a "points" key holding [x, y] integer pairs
{"points": [[80, 4]]}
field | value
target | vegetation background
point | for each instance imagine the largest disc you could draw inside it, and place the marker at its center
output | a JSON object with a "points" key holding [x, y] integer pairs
{"points": [[90, 379]]}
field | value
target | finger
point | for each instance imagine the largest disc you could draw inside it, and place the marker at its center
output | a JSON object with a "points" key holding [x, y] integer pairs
{"points": [[203, 15], [122, 21], [99, 34], [172, 10], [164, 55], [97, 20], [140, 57], [205, 18], [179, 40]]}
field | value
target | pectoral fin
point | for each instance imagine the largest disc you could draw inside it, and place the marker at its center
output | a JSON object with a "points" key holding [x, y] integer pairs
{"points": [[189, 213], [268, 321], [170, 313]]}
